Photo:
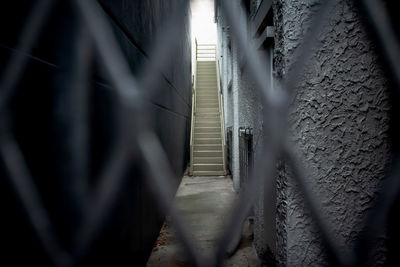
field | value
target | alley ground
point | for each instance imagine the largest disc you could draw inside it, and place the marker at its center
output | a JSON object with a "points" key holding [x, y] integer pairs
{"points": [[204, 204]]}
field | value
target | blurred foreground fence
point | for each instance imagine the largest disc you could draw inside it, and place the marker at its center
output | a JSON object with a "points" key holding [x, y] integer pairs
{"points": [[87, 204]]}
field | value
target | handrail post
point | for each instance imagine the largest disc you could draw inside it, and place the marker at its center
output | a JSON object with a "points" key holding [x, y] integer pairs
{"points": [[193, 111], [221, 113]]}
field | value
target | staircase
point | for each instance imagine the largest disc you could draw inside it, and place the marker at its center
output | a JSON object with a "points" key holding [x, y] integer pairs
{"points": [[207, 137]]}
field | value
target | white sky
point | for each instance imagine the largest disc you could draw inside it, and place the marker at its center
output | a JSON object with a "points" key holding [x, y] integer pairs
{"points": [[203, 26]]}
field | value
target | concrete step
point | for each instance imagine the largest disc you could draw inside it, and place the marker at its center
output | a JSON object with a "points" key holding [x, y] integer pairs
{"points": [[210, 95], [207, 86], [216, 160], [209, 100], [201, 112], [207, 135], [207, 81], [206, 110], [207, 96], [212, 147], [207, 116], [207, 90], [207, 129], [207, 154], [203, 97], [208, 120], [215, 119], [206, 102], [207, 167], [207, 93], [208, 173], [213, 123], [210, 110], [207, 124], [206, 105], [208, 141]]}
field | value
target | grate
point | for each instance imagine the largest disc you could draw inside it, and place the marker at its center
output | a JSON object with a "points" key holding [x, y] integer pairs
{"points": [[229, 148], [245, 153]]}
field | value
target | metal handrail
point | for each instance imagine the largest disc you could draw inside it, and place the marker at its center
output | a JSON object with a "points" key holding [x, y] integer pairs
{"points": [[193, 111], [221, 113]]}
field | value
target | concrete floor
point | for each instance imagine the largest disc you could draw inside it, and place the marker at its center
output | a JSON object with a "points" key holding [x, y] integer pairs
{"points": [[204, 204]]}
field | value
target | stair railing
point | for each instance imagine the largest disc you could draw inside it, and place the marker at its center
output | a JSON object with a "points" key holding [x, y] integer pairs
{"points": [[193, 110], [221, 112]]}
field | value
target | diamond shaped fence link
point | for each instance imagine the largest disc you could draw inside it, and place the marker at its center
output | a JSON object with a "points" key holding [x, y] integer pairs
{"points": [[127, 88]]}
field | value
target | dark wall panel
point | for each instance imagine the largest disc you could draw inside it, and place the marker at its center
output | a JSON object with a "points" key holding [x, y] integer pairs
{"points": [[66, 166]]}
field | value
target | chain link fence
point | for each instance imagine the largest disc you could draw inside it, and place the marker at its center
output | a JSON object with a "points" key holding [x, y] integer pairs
{"points": [[133, 133]]}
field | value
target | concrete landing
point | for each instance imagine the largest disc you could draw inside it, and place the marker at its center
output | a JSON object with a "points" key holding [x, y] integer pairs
{"points": [[204, 204]]}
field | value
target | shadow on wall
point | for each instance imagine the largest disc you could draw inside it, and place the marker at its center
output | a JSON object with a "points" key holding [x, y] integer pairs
{"points": [[65, 117]]}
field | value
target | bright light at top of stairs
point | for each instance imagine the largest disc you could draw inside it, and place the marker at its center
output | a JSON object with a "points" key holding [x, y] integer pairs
{"points": [[203, 26]]}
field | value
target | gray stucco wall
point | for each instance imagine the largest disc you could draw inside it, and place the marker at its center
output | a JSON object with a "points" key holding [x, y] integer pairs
{"points": [[243, 109], [339, 121]]}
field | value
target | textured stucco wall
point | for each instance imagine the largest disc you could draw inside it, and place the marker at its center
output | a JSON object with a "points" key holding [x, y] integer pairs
{"points": [[338, 121], [42, 120], [243, 109]]}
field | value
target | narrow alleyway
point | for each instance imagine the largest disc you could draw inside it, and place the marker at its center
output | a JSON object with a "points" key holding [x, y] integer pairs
{"points": [[204, 204]]}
